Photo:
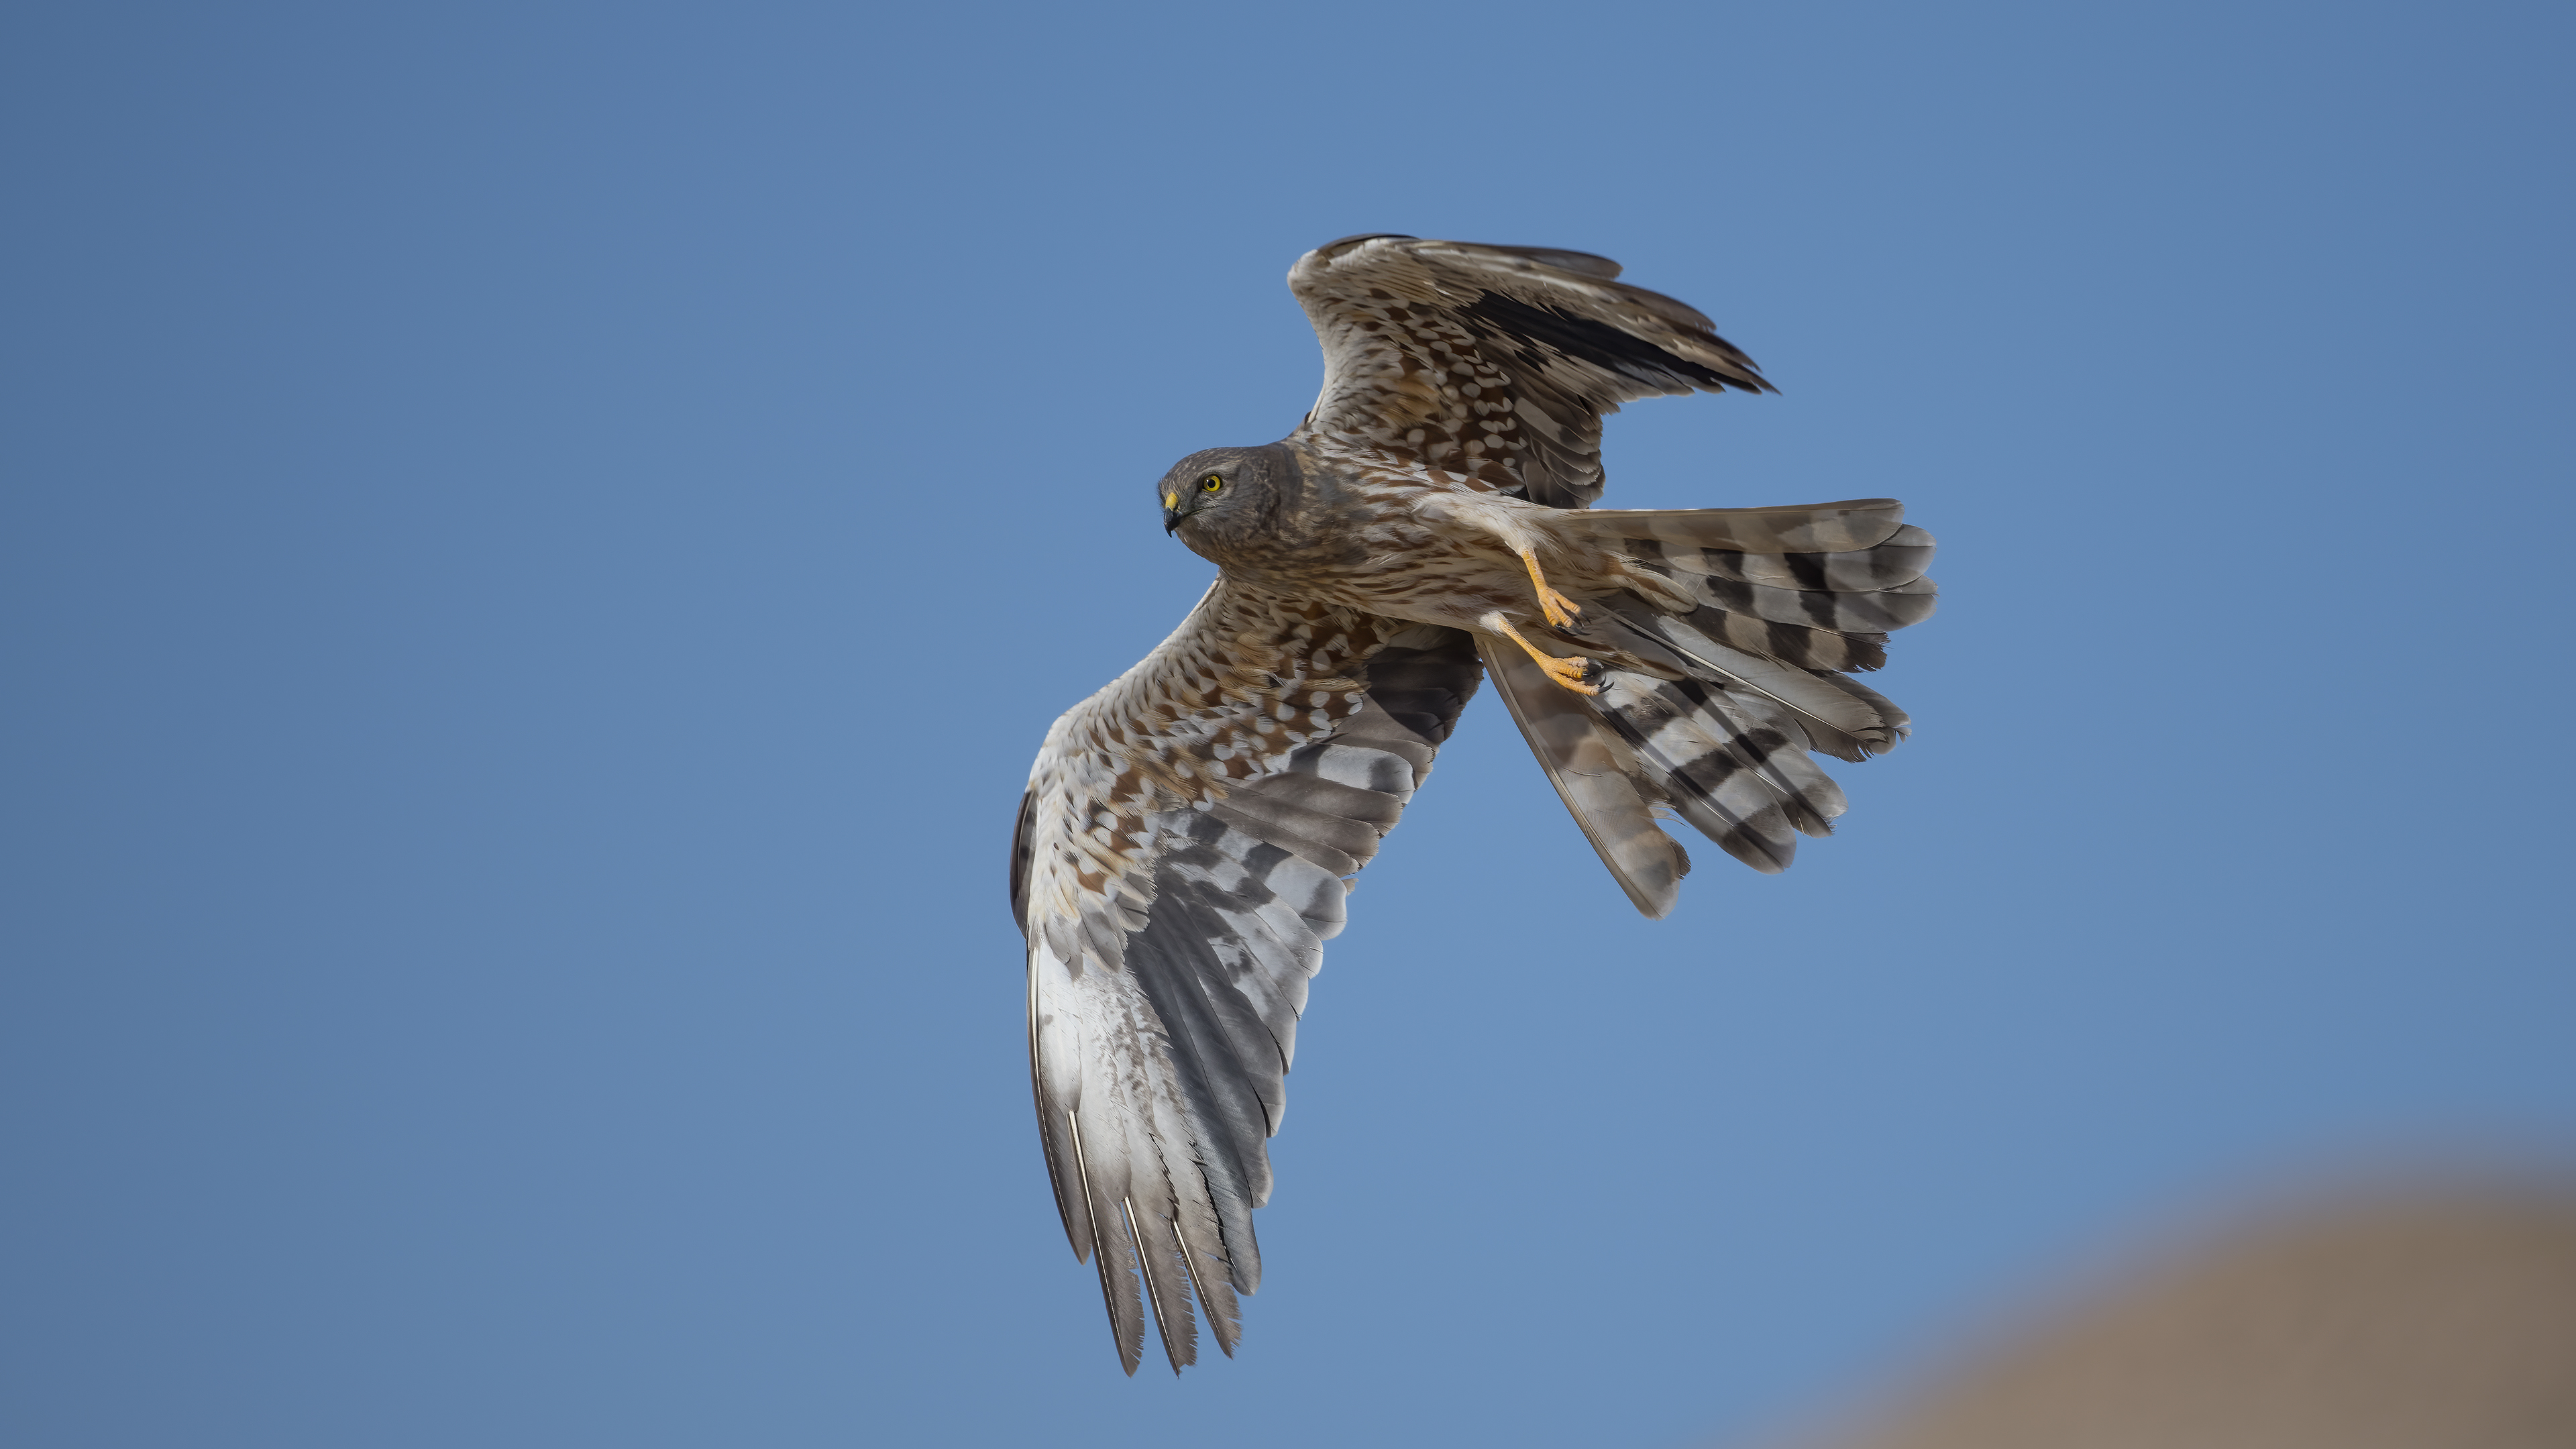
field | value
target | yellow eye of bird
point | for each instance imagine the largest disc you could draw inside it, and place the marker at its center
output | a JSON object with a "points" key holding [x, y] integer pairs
{"points": [[1211, 482]]}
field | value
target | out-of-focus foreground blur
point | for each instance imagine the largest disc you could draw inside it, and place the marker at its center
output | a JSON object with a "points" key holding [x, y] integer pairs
{"points": [[2430, 1319]]}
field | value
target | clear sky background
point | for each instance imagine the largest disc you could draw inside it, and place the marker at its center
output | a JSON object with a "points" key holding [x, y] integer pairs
{"points": [[541, 539]]}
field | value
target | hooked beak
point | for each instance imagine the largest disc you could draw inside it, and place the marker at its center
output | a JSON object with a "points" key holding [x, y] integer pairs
{"points": [[1172, 514]]}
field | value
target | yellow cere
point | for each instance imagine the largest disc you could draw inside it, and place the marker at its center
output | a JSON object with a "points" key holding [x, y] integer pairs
{"points": [[1171, 500]]}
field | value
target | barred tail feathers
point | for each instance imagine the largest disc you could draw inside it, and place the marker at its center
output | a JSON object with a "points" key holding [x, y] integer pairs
{"points": [[1604, 786], [1717, 726]]}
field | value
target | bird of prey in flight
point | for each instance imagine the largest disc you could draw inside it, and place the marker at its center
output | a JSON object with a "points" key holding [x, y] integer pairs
{"points": [[1190, 831]]}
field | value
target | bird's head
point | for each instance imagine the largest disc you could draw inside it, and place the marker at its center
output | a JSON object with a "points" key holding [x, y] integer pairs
{"points": [[1226, 496]]}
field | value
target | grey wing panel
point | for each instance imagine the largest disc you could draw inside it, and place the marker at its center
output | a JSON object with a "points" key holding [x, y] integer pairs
{"points": [[1161, 1060], [1247, 890]]}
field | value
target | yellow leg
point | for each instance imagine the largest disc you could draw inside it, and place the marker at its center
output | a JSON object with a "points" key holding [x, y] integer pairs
{"points": [[1559, 609], [1567, 672]]}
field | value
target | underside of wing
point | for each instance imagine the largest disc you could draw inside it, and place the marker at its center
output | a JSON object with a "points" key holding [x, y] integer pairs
{"points": [[1497, 361], [1173, 924]]}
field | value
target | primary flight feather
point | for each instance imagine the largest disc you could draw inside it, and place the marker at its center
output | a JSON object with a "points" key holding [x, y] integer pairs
{"points": [[1189, 832]]}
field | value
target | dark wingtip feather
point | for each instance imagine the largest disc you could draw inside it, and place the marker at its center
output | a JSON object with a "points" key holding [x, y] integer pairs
{"points": [[1617, 350]]}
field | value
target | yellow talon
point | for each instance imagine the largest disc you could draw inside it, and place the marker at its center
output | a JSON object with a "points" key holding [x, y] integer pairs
{"points": [[1567, 672], [1559, 609]]}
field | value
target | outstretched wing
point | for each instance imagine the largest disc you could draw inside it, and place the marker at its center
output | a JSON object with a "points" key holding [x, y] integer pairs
{"points": [[1180, 858], [1496, 361]]}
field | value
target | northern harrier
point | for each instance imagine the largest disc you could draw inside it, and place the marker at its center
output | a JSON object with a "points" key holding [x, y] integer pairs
{"points": [[1189, 831]]}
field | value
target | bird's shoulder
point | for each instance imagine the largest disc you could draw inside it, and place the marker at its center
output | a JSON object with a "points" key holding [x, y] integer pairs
{"points": [[1249, 677]]}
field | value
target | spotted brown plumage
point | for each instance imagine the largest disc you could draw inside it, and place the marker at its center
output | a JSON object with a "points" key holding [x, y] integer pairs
{"points": [[1189, 832], [1497, 361]]}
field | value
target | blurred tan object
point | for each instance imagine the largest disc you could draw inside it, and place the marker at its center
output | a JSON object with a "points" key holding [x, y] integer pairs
{"points": [[2421, 1320]]}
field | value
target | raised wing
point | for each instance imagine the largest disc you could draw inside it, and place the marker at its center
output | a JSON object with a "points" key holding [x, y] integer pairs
{"points": [[1180, 859], [1497, 361]]}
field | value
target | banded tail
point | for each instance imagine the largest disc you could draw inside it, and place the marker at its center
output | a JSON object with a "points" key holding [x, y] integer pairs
{"points": [[1717, 726]]}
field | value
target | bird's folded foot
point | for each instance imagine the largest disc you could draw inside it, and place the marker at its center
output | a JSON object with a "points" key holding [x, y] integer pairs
{"points": [[1573, 673], [1559, 609]]}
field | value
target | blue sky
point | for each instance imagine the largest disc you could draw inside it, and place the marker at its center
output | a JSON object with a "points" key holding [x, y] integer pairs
{"points": [[540, 540]]}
